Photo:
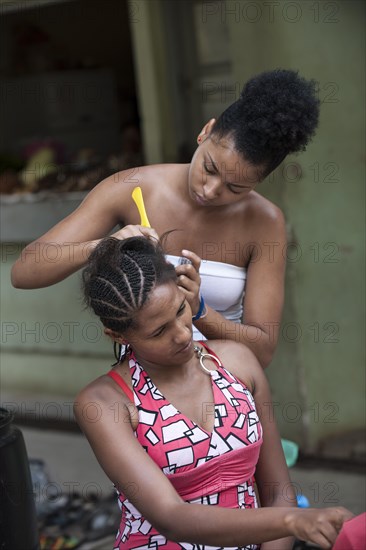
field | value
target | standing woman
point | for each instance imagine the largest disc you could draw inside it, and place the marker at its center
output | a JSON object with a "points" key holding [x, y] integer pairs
{"points": [[213, 205], [182, 427]]}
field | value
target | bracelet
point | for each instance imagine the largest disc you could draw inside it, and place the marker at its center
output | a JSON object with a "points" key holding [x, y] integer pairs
{"points": [[202, 311]]}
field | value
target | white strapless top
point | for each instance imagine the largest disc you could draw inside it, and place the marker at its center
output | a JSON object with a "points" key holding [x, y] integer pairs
{"points": [[223, 288]]}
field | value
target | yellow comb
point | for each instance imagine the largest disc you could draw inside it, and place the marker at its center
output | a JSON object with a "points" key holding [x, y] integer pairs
{"points": [[137, 197]]}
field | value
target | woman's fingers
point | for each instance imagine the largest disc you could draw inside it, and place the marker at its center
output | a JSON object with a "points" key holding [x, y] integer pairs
{"points": [[327, 537], [188, 275], [188, 269], [189, 279], [321, 541], [196, 260], [149, 232], [136, 231], [320, 526]]}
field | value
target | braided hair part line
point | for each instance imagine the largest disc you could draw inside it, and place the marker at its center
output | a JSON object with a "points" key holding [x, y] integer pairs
{"points": [[118, 278]]}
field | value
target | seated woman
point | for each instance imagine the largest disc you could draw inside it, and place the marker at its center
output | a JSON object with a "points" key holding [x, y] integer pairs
{"points": [[184, 422]]}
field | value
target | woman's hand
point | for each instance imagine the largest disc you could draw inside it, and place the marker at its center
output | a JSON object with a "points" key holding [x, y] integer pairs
{"points": [[320, 526], [135, 231], [189, 280]]}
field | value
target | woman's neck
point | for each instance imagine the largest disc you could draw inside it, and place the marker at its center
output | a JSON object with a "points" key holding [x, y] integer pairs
{"points": [[168, 372]]}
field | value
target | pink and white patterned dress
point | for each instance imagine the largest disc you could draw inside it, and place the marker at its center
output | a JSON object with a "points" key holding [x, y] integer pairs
{"points": [[209, 468]]}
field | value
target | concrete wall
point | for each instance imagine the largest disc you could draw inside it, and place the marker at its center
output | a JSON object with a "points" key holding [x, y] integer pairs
{"points": [[50, 344], [318, 373]]}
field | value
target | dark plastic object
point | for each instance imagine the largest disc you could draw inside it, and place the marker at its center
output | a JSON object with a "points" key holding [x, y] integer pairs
{"points": [[18, 521]]}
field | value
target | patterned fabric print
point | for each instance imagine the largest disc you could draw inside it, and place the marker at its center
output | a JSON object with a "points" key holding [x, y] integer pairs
{"points": [[178, 444]]}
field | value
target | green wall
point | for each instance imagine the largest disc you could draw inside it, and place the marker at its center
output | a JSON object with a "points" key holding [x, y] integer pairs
{"points": [[317, 376], [50, 343]]}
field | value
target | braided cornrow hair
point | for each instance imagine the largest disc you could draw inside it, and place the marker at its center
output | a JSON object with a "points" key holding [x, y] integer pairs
{"points": [[119, 276], [276, 114]]}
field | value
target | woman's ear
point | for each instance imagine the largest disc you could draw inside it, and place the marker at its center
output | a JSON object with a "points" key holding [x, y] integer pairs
{"points": [[206, 130], [115, 336]]}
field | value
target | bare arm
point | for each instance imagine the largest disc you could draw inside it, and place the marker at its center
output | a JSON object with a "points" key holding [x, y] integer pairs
{"points": [[66, 247], [138, 477], [272, 475]]}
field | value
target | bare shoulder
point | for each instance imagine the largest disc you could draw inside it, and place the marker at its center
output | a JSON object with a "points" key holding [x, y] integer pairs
{"points": [[124, 181], [264, 209], [264, 221], [114, 190], [97, 391], [238, 359], [144, 176], [100, 395]]}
